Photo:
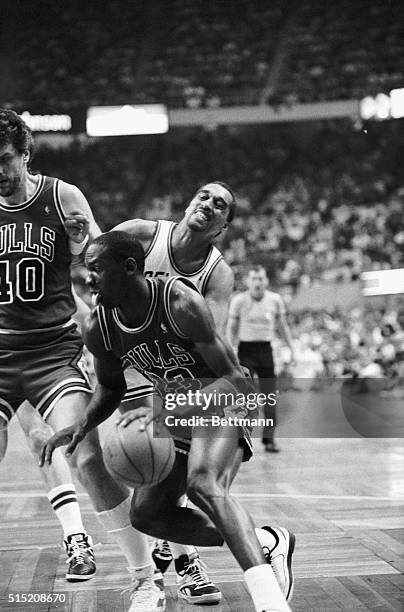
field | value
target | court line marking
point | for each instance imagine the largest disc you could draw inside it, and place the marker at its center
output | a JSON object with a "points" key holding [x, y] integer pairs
{"points": [[33, 493]]}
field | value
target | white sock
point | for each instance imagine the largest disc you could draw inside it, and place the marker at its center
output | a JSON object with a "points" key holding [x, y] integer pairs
{"points": [[266, 539], [264, 589], [133, 544], [64, 502], [182, 549]]}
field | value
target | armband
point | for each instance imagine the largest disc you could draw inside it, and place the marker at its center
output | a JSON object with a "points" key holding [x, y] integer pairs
{"points": [[76, 248]]}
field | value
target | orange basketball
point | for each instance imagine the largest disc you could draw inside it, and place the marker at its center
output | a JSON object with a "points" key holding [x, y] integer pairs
{"points": [[137, 457]]}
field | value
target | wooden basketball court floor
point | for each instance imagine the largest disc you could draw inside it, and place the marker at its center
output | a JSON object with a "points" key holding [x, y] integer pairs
{"points": [[342, 497]]}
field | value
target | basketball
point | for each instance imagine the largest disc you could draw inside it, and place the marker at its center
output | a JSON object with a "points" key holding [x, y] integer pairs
{"points": [[138, 457]]}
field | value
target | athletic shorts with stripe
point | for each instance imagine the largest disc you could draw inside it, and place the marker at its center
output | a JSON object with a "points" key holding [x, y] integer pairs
{"points": [[40, 368]]}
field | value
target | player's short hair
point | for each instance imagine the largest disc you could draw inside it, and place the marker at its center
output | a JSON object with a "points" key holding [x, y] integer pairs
{"points": [[14, 131], [233, 203], [120, 246]]}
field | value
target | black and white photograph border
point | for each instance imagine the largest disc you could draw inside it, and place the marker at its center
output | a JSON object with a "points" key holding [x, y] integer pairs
{"points": [[153, 107]]}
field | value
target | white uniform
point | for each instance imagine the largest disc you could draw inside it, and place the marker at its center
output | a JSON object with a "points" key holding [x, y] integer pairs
{"points": [[160, 263]]}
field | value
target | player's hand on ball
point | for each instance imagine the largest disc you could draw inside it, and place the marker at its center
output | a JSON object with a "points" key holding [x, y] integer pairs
{"points": [[146, 414], [132, 415], [69, 435], [77, 225]]}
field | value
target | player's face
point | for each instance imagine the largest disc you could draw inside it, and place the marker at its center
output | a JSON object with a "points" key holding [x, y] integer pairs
{"points": [[12, 170], [257, 283], [209, 209], [105, 277]]}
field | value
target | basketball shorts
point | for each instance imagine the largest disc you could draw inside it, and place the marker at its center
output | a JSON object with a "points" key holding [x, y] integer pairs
{"points": [[137, 386], [40, 368]]}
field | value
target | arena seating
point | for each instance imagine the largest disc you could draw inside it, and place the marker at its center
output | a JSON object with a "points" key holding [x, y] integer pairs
{"points": [[199, 54]]}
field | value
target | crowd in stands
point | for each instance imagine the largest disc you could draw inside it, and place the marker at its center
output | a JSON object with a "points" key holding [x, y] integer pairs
{"points": [[76, 53], [203, 54], [364, 343], [215, 54], [343, 50]]}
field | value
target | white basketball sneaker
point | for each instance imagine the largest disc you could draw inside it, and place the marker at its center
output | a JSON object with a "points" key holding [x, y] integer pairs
{"points": [[145, 596], [280, 558]]}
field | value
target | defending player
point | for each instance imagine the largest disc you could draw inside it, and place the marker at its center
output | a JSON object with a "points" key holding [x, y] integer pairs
{"points": [[42, 222], [166, 331]]}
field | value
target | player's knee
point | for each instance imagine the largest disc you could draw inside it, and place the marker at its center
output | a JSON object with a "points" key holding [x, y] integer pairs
{"points": [[203, 488], [143, 516], [86, 461]]}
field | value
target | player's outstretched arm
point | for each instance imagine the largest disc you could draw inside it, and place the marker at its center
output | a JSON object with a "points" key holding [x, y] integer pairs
{"points": [[233, 326], [107, 396], [141, 229], [195, 320], [218, 295]]}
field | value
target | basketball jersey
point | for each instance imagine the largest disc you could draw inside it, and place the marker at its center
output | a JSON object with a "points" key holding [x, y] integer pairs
{"points": [[157, 348], [35, 284], [160, 263]]}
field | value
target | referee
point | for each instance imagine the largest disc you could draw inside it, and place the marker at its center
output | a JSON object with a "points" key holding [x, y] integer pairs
{"points": [[253, 317]]}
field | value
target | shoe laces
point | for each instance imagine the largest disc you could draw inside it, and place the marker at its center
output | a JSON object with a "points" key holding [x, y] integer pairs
{"points": [[77, 550], [197, 569]]}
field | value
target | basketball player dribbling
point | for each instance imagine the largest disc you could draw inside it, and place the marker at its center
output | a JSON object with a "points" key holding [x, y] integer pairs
{"points": [[166, 331], [187, 249], [43, 221]]}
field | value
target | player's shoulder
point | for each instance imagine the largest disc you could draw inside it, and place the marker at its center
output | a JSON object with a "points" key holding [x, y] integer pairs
{"points": [[68, 189], [92, 334], [142, 229], [183, 295], [71, 197], [188, 308], [221, 278], [182, 288]]}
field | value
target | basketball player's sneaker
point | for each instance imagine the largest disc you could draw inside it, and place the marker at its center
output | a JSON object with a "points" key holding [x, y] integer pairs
{"points": [[162, 555], [144, 595], [193, 583], [280, 558], [80, 557]]}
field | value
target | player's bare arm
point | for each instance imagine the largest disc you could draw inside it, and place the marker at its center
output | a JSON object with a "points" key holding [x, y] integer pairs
{"points": [[79, 222], [218, 295], [108, 393], [194, 319], [141, 229]]}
